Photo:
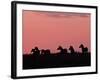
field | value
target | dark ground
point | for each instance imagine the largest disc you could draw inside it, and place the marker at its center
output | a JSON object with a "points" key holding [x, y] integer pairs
{"points": [[56, 60]]}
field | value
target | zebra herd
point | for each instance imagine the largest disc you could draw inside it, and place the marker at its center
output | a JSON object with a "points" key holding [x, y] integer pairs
{"points": [[62, 50]]}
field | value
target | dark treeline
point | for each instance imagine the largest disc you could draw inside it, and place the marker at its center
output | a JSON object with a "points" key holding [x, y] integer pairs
{"points": [[64, 58]]}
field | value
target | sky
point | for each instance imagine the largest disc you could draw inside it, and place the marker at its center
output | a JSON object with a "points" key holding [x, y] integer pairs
{"points": [[48, 30]]}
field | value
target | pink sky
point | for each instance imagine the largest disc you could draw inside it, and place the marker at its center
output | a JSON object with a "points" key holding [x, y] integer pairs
{"points": [[48, 30]]}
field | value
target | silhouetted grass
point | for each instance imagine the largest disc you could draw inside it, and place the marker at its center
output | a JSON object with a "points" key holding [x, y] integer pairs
{"points": [[52, 60]]}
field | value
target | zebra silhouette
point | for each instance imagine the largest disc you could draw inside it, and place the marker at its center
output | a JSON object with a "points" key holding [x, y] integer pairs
{"points": [[62, 50], [71, 49], [84, 49]]}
